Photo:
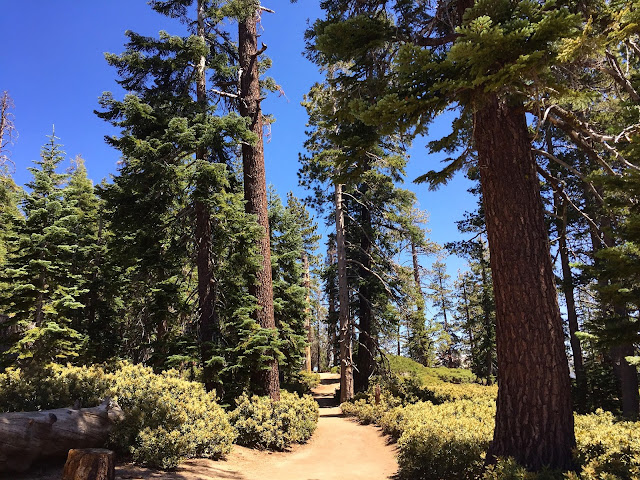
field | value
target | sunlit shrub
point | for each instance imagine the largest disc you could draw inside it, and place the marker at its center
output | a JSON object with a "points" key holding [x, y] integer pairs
{"points": [[261, 423], [302, 382], [445, 441], [167, 419], [606, 448], [54, 386], [160, 408]]}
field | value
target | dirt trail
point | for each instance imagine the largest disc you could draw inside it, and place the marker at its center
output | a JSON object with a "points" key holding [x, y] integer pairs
{"points": [[339, 449]]}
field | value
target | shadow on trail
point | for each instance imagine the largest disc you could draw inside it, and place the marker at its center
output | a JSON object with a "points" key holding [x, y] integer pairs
{"points": [[326, 401], [329, 381]]}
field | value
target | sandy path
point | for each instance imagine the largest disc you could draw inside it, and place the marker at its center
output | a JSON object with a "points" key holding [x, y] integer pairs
{"points": [[339, 449]]}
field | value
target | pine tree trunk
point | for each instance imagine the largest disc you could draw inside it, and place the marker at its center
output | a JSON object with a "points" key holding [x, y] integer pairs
{"points": [[449, 352], [366, 339], [255, 189], [627, 376], [572, 315], [332, 317], [534, 420], [203, 234], [346, 361], [307, 311]]}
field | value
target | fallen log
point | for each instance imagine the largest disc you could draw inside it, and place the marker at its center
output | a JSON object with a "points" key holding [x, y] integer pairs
{"points": [[27, 436]]}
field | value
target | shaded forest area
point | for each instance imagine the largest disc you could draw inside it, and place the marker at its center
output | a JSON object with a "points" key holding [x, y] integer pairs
{"points": [[188, 264]]}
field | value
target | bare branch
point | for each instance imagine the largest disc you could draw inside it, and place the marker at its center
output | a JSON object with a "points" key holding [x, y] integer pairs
{"points": [[557, 187], [224, 94], [572, 170]]}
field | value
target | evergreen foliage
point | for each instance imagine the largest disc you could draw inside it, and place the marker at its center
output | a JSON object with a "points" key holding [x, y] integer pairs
{"points": [[44, 291]]}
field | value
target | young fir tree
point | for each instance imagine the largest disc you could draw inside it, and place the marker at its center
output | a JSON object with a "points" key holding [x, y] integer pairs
{"points": [[441, 296], [290, 293], [43, 291], [80, 195], [476, 302]]}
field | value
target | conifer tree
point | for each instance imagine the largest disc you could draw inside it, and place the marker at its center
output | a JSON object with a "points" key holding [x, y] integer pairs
{"points": [[44, 291], [441, 297], [480, 58], [172, 194]]}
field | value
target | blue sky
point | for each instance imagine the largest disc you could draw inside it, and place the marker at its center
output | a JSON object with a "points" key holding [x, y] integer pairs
{"points": [[53, 66]]}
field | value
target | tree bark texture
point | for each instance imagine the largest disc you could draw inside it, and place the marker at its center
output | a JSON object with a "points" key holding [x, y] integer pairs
{"points": [[90, 464], [346, 359], [333, 314], [27, 436], [255, 189], [534, 418]]}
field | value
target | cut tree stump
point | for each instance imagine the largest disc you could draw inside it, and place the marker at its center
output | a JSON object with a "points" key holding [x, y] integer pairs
{"points": [[90, 464], [27, 436]]}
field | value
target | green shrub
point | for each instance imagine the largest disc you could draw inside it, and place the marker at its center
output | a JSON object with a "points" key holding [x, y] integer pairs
{"points": [[606, 448], [261, 423], [160, 408], [167, 419], [509, 469], [402, 366], [335, 369], [449, 392], [445, 441], [449, 440], [54, 386], [302, 382]]}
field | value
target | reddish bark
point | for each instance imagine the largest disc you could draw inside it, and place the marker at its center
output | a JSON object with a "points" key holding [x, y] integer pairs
{"points": [[255, 190], [534, 419]]}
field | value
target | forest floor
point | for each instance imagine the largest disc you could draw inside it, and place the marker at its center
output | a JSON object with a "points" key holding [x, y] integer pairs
{"points": [[339, 448]]}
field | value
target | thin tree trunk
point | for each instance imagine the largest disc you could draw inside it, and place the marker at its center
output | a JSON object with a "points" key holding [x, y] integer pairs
{"points": [[467, 315], [488, 324], [346, 361], [567, 290], [449, 353], [332, 314], [534, 419], [307, 311], [627, 379], [626, 374], [255, 190]]}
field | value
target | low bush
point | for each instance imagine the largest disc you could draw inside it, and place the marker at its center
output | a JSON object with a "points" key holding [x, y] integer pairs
{"points": [[261, 423], [302, 382], [54, 386], [399, 365], [449, 440], [607, 448], [449, 392], [167, 419]]}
